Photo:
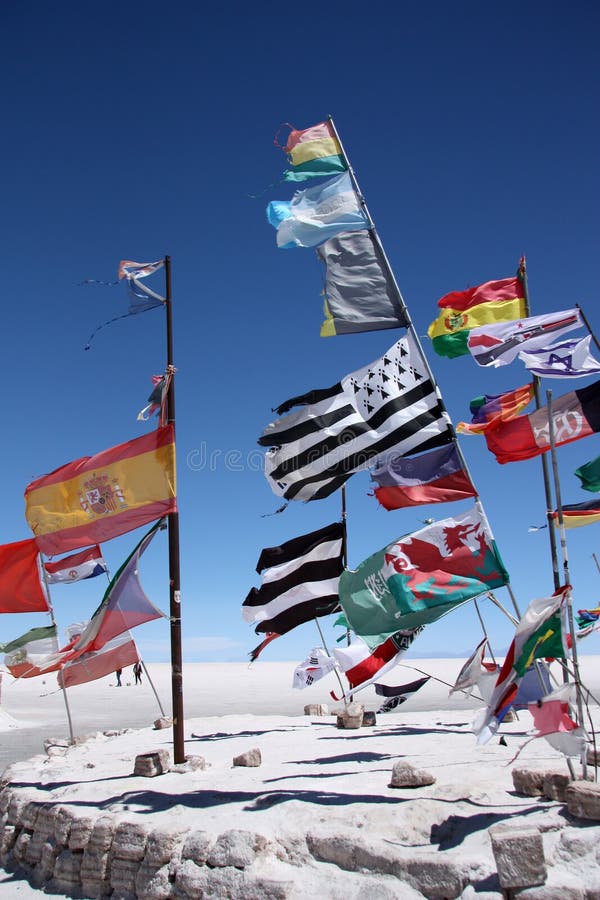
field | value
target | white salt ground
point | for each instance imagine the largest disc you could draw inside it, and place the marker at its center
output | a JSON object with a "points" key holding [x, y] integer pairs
{"points": [[314, 777]]}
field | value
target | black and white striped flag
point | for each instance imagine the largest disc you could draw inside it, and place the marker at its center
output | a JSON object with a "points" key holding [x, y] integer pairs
{"points": [[299, 581], [391, 405]]}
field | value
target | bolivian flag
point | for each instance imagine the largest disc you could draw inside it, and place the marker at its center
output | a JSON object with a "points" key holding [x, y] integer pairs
{"points": [[494, 301], [97, 498], [312, 152], [577, 514]]}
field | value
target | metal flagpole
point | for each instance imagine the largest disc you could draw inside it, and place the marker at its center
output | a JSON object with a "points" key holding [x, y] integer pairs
{"points": [[59, 674], [563, 544], [483, 628], [151, 683], [587, 325], [409, 325], [174, 569], [545, 468]]}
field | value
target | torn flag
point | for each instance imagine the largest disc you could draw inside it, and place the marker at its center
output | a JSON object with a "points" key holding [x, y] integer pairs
{"points": [[434, 477], [494, 301], [551, 720], [360, 294], [568, 359], [577, 514], [141, 297], [497, 344], [473, 669], [157, 399], [390, 405], [21, 587], [316, 666], [23, 654], [589, 475], [575, 415], [77, 567], [421, 576], [313, 152], [100, 497], [539, 634], [398, 694], [299, 581], [316, 214], [489, 410]]}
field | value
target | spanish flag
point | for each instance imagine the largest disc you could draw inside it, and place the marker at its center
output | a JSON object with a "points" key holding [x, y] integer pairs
{"points": [[97, 498]]}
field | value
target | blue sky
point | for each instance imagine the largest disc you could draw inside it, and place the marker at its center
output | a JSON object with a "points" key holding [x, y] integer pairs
{"points": [[131, 131]]}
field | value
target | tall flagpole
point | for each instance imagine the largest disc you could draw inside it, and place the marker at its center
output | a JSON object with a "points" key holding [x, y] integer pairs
{"points": [[60, 675], [174, 573], [409, 325], [545, 467]]}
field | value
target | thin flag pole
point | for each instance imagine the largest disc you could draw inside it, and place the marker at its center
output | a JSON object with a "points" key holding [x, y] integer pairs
{"points": [[483, 628], [151, 683], [545, 467], [345, 545], [174, 566], [409, 325], [587, 325], [565, 556], [59, 674], [326, 649], [595, 558]]}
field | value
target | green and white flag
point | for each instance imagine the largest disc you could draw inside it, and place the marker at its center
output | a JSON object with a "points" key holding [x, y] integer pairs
{"points": [[23, 656]]}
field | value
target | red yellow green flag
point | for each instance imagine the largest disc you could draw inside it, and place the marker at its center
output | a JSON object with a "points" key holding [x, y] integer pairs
{"points": [[97, 498]]}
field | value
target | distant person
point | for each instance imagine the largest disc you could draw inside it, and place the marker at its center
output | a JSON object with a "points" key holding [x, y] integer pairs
{"points": [[137, 671], [118, 674]]}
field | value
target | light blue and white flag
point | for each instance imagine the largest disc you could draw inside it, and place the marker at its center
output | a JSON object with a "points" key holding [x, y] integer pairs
{"points": [[317, 214], [567, 359]]}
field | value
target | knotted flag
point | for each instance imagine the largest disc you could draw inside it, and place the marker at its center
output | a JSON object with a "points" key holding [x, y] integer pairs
{"points": [[312, 152]]}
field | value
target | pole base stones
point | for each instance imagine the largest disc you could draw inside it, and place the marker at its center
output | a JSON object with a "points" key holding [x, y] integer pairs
{"points": [[583, 800], [519, 855], [316, 709], [404, 775], [352, 716], [152, 764], [249, 758]]}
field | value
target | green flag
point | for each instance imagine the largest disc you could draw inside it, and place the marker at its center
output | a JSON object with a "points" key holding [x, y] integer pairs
{"points": [[34, 634], [589, 474]]}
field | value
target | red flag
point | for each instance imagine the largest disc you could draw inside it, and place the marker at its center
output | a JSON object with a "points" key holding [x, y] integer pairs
{"points": [[574, 415], [116, 654], [21, 588]]}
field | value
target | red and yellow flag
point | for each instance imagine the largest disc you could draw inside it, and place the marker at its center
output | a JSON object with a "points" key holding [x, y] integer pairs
{"points": [[97, 498]]}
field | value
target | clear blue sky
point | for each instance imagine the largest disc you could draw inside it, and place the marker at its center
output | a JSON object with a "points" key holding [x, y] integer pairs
{"points": [[135, 130]]}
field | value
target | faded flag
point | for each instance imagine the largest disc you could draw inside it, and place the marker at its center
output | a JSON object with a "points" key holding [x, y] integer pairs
{"points": [[117, 653], [497, 344], [360, 294], [21, 587], [391, 404], [434, 477], [473, 669], [23, 655], [575, 515], [141, 297], [313, 152], [574, 415], [299, 581], [77, 567], [398, 694], [461, 311], [317, 214], [539, 634], [315, 666], [362, 664], [100, 497], [568, 359], [421, 576], [552, 720]]}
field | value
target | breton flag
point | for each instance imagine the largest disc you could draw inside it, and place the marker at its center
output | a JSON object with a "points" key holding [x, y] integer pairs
{"points": [[390, 405], [77, 567], [299, 581], [23, 655], [568, 359], [21, 587], [489, 410], [313, 152], [434, 477], [421, 577], [115, 654], [316, 666], [461, 311], [317, 214], [360, 295], [574, 415], [498, 344], [96, 498], [539, 634]]}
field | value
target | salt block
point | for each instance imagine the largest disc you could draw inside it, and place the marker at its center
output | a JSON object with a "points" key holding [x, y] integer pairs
{"points": [[529, 782], [406, 775], [519, 855], [369, 718], [316, 709], [249, 758], [152, 764], [163, 722], [583, 800], [352, 716]]}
